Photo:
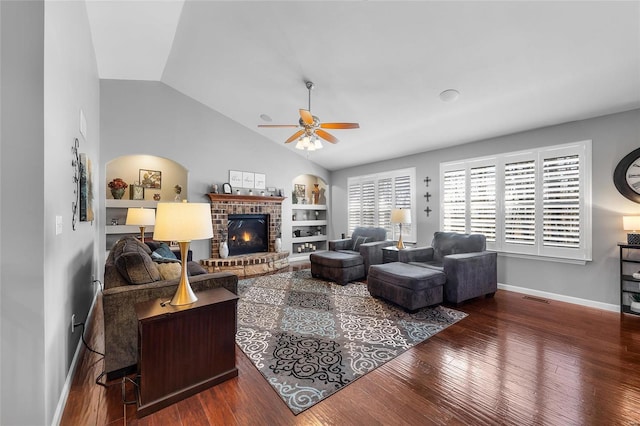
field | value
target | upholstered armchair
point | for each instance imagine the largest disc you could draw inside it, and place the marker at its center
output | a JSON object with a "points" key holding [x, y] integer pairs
{"points": [[368, 242], [470, 269]]}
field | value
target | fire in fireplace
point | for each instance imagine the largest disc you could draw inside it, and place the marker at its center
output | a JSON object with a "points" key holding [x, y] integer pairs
{"points": [[248, 233]]}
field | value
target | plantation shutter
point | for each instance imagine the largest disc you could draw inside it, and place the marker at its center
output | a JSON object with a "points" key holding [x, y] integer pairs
{"points": [[385, 203], [355, 206], [561, 201], [402, 189], [482, 201], [454, 201], [372, 197], [368, 206], [520, 202]]}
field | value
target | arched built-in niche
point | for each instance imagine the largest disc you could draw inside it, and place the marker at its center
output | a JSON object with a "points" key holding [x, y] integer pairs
{"points": [[128, 168], [309, 215]]}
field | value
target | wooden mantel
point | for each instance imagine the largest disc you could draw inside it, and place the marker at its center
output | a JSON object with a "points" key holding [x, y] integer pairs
{"points": [[246, 198]]}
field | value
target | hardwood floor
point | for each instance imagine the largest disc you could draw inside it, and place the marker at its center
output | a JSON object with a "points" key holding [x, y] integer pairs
{"points": [[513, 360]]}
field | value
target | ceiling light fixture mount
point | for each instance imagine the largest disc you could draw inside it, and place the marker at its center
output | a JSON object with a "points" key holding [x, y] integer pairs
{"points": [[449, 95], [308, 137]]}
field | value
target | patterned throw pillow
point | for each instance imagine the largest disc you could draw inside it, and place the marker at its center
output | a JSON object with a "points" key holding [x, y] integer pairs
{"points": [[169, 271], [359, 241]]}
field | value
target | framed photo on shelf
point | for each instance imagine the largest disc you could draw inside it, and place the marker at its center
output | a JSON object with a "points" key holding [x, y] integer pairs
{"points": [[300, 190], [226, 188], [260, 181], [151, 178]]}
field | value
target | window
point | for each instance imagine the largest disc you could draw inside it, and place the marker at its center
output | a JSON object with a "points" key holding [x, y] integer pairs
{"points": [[372, 197], [535, 202]]}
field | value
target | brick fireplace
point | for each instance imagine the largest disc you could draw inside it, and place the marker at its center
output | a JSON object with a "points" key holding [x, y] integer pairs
{"points": [[223, 205]]}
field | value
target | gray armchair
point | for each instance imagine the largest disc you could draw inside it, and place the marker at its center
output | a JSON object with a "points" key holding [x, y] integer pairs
{"points": [[368, 242], [470, 269]]}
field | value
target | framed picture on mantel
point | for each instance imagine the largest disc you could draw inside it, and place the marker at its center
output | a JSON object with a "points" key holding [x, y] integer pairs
{"points": [[260, 181], [235, 178]]}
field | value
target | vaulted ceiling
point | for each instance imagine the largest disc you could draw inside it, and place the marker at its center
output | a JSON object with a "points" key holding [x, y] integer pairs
{"points": [[517, 65]]}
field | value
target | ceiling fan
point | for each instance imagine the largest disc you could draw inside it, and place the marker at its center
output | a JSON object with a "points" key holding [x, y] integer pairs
{"points": [[307, 136]]}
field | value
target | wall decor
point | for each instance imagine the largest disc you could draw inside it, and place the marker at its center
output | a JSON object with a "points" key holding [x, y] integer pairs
{"points": [[260, 181], [426, 181], [75, 163], [248, 179], [226, 188], [86, 189], [235, 178], [151, 178], [626, 176]]}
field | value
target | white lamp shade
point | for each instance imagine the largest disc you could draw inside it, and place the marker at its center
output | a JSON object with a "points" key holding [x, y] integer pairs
{"points": [[141, 216], [183, 222], [631, 223], [400, 215]]}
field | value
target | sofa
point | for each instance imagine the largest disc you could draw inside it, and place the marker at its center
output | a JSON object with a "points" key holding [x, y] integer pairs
{"points": [[470, 270], [131, 276]]}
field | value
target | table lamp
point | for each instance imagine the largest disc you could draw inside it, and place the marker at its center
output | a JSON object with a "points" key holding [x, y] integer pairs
{"points": [[400, 216], [141, 217], [632, 223], [183, 222]]}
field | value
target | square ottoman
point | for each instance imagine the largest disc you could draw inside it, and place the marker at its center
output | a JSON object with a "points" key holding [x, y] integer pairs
{"points": [[412, 287], [337, 266]]}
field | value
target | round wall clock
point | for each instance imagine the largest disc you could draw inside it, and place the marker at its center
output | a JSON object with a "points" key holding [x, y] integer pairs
{"points": [[626, 176]]}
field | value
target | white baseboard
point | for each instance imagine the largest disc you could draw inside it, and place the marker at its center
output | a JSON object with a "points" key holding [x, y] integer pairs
{"points": [[561, 298], [62, 401]]}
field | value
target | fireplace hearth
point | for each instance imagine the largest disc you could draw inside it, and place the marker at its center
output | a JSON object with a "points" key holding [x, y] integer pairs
{"points": [[248, 233]]}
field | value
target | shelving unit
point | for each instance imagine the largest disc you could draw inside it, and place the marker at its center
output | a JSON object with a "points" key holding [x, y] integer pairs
{"points": [[117, 209], [629, 263], [309, 229]]}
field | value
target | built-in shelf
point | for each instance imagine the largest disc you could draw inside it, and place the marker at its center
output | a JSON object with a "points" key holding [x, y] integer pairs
{"points": [[124, 204], [310, 222]]}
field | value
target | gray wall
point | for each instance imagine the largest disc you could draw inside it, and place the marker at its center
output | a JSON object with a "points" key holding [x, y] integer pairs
{"points": [[140, 117], [613, 137], [47, 76], [22, 169]]}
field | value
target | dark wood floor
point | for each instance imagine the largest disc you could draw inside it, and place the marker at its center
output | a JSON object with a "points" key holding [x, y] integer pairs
{"points": [[513, 360]]}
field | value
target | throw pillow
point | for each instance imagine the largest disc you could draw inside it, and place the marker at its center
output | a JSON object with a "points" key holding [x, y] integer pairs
{"points": [[164, 251], [159, 258], [358, 242], [170, 271], [194, 268]]}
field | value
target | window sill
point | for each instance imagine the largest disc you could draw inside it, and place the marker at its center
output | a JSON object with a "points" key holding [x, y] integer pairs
{"points": [[544, 258]]}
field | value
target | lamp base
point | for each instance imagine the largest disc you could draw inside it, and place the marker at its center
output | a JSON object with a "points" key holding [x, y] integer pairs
{"points": [[184, 294], [633, 239], [400, 244]]}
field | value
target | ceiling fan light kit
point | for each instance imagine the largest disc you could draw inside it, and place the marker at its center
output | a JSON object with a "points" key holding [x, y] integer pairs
{"points": [[312, 129]]}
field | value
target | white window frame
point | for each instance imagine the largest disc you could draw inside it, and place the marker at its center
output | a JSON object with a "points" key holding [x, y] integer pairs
{"points": [[410, 236], [538, 250]]}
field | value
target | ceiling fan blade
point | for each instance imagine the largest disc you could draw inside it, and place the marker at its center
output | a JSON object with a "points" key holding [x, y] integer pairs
{"points": [[326, 136], [340, 125], [278, 125], [306, 116], [295, 136]]}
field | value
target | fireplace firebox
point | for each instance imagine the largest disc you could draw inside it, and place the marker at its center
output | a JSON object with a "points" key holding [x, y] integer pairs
{"points": [[248, 233]]}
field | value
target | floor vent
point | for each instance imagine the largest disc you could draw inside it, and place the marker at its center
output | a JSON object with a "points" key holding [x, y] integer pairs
{"points": [[536, 299]]}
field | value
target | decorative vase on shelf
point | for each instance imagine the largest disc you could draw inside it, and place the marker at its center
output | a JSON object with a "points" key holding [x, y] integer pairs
{"points": [[117, 193], [224, 250], [278, 244], [316, 193]]}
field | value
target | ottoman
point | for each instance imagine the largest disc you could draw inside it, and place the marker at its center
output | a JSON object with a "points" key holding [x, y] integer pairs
{"points": [[337, 266], [412, 287]]}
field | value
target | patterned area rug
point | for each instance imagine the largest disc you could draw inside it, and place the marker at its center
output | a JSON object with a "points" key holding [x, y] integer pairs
{"points": [[310, 338]]}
